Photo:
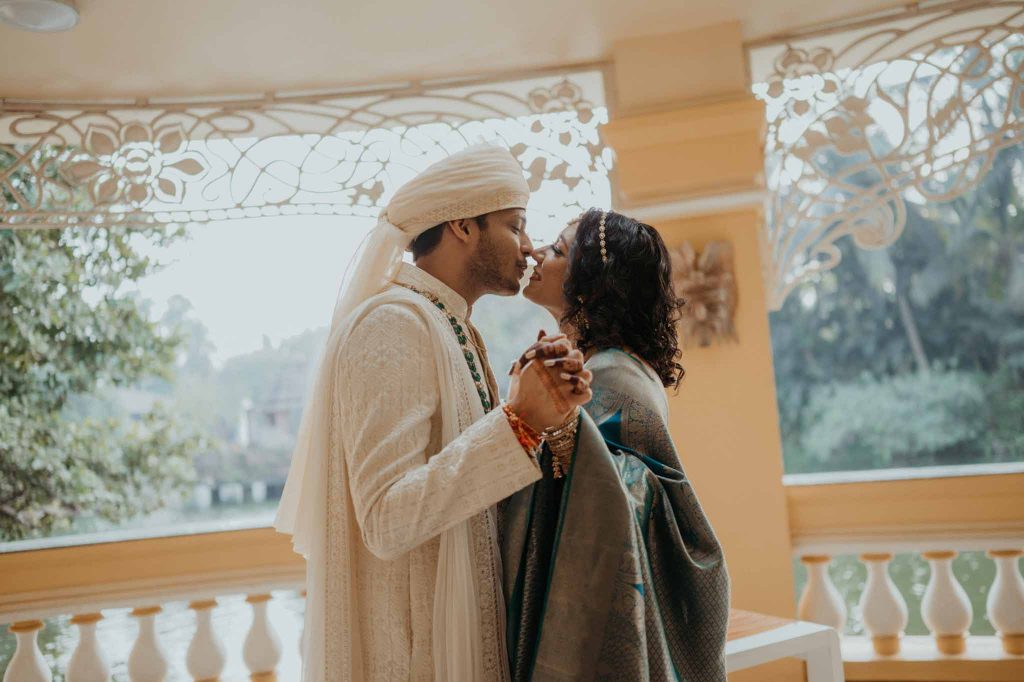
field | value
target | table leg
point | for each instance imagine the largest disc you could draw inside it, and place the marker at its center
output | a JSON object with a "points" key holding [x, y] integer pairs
{"points": [[825, 661]]}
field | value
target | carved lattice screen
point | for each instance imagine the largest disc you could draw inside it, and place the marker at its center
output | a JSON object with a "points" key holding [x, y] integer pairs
{"points": [[859, 120], [67, 164]]}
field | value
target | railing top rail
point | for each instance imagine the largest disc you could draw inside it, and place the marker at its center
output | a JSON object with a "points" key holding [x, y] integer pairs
{"points": [[65, 580], [962, 512]]}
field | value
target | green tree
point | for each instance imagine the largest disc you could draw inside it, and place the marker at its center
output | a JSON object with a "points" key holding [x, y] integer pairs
{"points": [[71, 329], [879, 360]]}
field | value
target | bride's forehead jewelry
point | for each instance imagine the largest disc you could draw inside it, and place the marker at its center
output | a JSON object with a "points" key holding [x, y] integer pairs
{"points": [[600, 232]]}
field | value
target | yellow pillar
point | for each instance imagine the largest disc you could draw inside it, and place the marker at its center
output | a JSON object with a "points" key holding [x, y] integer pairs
{"points": [[688, 138]]}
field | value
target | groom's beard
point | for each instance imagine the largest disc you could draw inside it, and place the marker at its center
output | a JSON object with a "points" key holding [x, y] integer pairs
{"points": [[492, 271]]}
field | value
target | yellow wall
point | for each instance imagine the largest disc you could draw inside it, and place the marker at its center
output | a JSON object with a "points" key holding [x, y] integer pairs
{"points": [[655, 72]]}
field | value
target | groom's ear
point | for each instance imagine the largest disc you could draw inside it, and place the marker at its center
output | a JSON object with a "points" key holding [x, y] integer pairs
{"points": [[460, 228]]}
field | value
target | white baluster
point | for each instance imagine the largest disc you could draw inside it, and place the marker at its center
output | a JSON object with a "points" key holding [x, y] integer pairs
{"points": [[882, 606], [88, 664], [262, 649], [27, 664], [1006, 600], [205, 658], [945, 608], [147, 661], [821, 601]]}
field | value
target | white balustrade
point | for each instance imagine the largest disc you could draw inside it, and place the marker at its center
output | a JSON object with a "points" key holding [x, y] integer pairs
{"points": [[945, 608], [27, 664], [821, 601], [1005, 606], [205, 658], [147, 661], [88, 664], [262, 649], [882, 607]]}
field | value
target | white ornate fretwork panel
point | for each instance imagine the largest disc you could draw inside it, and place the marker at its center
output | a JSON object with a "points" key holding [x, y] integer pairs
{"points": [[860, 121], [63, 165]]}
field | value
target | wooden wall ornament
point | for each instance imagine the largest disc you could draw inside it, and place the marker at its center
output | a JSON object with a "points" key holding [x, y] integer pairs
{"points": [[706, 281]]}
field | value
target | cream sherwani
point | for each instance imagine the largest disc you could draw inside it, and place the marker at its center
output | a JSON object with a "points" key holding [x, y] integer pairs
{"points": [[396, 467], [406, 489]]}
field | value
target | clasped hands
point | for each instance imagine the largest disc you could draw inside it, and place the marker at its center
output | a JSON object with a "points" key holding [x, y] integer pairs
{"points": [[549, 382]]}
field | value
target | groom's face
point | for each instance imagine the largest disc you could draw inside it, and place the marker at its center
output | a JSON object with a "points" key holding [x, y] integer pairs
{"points": [[500, 259]]}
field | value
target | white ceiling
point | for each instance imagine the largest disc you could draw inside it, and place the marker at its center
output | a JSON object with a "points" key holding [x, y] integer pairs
{"points": [[136, 48]]}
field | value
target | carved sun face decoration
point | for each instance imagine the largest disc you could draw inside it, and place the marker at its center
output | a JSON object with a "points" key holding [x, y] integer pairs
{"points": [[707, 283]]}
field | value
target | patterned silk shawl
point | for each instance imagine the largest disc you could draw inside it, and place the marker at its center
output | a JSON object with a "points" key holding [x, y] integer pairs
{"points": [[613, 572]]}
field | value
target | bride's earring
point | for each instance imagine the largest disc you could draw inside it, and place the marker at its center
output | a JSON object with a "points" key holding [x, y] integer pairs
{"points": [[579, 319]]}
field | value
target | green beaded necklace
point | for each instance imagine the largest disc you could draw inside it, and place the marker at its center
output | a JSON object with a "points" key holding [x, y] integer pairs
{"points": [[460, 334]]}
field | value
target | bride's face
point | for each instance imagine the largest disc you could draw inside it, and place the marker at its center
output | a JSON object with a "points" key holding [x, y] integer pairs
{"points": [[545, 287]]}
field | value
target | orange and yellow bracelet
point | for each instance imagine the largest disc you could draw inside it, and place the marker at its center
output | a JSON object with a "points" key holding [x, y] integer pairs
{"points": [[525, 434]]}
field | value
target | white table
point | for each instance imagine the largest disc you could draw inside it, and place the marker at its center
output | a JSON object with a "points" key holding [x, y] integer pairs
{"points": [[816, 644]]}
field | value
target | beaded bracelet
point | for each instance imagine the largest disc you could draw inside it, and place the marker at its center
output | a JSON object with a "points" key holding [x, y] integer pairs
{"points": [[525, 434], [561, 440]]}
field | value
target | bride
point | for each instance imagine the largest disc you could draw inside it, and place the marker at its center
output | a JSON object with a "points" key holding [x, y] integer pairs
{"points": [[612, 571]]}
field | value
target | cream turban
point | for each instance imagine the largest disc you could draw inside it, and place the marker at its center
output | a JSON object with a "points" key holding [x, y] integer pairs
{"points": [[475, 181], [478, 180]]}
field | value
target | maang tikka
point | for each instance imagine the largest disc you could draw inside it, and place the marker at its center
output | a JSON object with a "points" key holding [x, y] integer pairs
{"points": [[600, 233]]}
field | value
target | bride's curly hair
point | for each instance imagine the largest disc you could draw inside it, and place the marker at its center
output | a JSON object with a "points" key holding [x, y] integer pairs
{"points": [[628, 302]]}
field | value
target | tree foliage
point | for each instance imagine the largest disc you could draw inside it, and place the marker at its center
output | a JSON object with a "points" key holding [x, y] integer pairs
{"points": [[913, 355], [71, 329]]}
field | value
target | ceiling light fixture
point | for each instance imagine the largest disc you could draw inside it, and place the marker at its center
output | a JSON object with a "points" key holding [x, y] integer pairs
{"points": [[39, 15]]}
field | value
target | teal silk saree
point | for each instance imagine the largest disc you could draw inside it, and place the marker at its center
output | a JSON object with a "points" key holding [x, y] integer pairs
{"points": [[613, 572]]}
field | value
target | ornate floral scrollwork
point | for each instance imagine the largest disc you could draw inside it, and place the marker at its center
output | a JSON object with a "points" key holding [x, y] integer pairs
{"points": [[132, 163], [338, 153], [563, 95], [707, 283], [860, 122]]}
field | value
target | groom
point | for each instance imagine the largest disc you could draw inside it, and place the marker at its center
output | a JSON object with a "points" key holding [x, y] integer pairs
{"points": [[405, 447]]}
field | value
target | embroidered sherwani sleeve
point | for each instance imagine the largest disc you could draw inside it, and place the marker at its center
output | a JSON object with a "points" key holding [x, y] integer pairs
{"points": [[388, 395]]}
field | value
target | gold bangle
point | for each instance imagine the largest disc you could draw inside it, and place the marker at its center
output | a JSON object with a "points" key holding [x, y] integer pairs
{"points": [[561, 441], [570, 423]]}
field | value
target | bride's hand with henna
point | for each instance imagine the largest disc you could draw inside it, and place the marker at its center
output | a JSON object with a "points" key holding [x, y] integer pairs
{"points": [[549, 382]]}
